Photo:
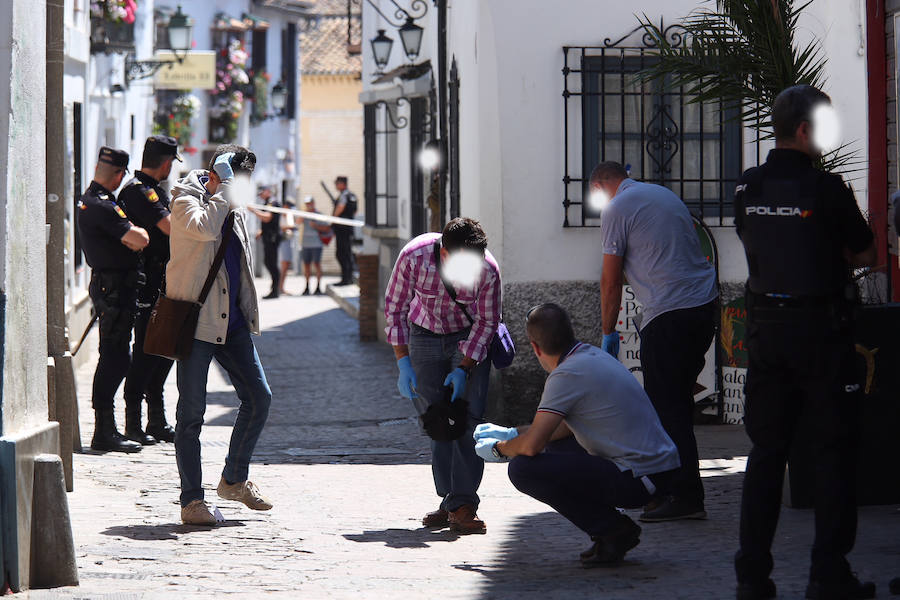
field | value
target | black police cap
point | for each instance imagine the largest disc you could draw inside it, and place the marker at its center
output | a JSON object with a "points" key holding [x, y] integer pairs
{"points": [[445, 421], [112, 156], [162, 145]]}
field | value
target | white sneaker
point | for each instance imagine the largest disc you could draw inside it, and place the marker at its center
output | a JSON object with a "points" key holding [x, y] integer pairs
{"points": [[197, 513], [243, 491]]}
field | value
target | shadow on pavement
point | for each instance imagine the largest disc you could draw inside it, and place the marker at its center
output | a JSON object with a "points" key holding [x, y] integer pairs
{"points": [[164, 531], [404, 538]]}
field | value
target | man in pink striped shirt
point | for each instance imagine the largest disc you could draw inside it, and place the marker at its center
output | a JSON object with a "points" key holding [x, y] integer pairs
{"points": [[440, 342]]}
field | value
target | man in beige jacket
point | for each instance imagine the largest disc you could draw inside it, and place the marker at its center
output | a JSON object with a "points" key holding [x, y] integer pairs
{"points": [[202, 203]]}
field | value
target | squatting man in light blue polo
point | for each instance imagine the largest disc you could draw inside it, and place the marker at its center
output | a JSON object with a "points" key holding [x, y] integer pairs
{"points": [[595, 443]]}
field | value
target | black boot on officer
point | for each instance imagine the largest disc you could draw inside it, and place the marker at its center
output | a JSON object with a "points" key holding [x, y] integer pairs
{"points": [[133, 430], [157, 426], [107, 438]]}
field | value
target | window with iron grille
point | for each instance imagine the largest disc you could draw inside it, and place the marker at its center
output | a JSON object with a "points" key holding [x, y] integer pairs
{"points": [[692, 148], [380, 143]]}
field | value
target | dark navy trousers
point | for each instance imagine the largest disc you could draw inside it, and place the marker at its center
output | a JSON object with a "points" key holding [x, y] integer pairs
{"points": [[584, 489]]}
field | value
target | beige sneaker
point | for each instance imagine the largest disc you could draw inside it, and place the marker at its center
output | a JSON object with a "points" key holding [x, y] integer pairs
{"points": [[197, 513], [243, 491]]}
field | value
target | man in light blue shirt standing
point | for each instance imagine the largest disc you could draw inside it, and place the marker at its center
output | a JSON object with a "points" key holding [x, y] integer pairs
{"points": [[649, 238]]}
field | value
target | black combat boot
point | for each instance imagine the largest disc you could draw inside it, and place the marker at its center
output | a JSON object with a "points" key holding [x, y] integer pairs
{"points": [[133, 429], [156, 421], [107, 438]]}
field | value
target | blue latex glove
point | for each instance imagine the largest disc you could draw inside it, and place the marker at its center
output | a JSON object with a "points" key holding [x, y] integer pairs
{"points": [[611, 344], [489, 430], [484, 449], [456, 378], [406, 381], [222, 166]]}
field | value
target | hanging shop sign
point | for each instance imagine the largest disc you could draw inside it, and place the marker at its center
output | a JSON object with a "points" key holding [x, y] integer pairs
{"points": [[196, 72]]}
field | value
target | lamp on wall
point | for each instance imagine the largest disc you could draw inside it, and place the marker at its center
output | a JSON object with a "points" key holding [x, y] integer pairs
{"points": [[411, 38], [279, 97], [381, 50], [179, 28]]}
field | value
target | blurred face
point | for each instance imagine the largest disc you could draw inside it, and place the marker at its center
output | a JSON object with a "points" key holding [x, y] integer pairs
{"points": [[340, 185], [462, 267], [119, 176], [310, 206], [166, 169]]}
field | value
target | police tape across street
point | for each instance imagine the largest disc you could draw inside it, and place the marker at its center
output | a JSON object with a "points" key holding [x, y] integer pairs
{"points": [[313, 216]]}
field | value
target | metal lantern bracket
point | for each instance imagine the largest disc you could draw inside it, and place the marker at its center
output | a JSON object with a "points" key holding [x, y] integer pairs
{"points": [[142, 69], [417, 10], [397, 122]]}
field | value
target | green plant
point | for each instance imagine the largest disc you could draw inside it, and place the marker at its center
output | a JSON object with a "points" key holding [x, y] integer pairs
{"points": [[260, 97], [744, 52], [178, 123]]}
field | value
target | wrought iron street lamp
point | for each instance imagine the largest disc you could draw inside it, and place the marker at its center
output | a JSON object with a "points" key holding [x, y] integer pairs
{"points": [[279, 97], [179, 28], [411, 38], [381, 50]]}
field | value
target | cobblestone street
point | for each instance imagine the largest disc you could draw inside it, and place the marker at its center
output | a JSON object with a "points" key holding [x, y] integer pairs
{"points": [[347, 469]]}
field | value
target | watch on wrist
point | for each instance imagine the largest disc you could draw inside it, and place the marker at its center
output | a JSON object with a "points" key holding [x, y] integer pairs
{"points": [[496, 451], [465, 369]]}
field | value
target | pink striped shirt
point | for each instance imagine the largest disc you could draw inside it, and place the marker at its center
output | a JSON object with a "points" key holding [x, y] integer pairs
{"points": [[415, 294]]}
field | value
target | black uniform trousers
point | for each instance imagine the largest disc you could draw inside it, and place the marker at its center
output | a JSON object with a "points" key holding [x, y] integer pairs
{"points": [[800, 371], [343, 235], [114, 294], [270, 259], [148, 373], [673, 350]]}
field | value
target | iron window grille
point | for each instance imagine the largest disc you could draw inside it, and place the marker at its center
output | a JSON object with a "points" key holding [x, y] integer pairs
{"points": [[380, 142], [692, 148]]}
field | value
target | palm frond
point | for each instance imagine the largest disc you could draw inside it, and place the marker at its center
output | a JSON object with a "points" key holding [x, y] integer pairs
{"points": [[742, 53]]}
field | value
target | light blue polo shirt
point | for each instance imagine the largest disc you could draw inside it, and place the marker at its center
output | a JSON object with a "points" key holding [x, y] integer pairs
{"points": [[609, 412], [651, 228]]}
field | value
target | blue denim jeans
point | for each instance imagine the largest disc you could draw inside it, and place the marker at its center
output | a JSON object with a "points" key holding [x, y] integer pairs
{"points": [[457, 470], [239, 359]]}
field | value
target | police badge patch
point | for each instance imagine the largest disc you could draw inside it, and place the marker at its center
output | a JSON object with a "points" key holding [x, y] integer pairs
{"points": [[151, 195], [120, 212]]}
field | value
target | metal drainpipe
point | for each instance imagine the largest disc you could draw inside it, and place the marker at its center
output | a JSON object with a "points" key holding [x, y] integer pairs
{"points": [[442, 101]]}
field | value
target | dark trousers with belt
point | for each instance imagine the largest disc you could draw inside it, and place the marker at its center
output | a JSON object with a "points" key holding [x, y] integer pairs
{"points": [[147, 374], [800, 371], [584, 489], [270, 259], [673, 349], [114, 296], [344, 252]]}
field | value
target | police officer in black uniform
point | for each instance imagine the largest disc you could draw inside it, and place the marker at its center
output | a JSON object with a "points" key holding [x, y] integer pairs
{"points": [[270, 231], [802, 232], [147, 206], [345, 207], [111, 246]]}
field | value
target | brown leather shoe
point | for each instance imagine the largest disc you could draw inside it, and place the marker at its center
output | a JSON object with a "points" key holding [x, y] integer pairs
{"points": [[438, 518], [463, 520]]}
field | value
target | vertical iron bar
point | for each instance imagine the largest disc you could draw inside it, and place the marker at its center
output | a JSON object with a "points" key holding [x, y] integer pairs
{"points": [[702, 158], [721, 160], [643, 125], [681, 147], [565, 136], [623, 97]]}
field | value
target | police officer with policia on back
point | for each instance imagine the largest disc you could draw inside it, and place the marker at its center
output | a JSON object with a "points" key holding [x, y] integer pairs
{"points": [[147, 205], [111, 246], [802, 232]]}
